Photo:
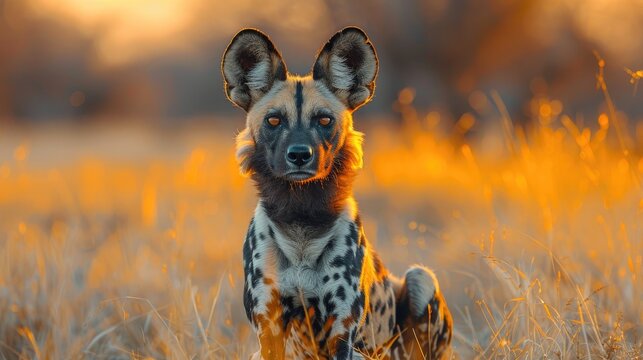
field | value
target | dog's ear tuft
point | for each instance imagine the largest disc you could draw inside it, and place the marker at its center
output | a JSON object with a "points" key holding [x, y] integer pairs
{"points": [[251, 64], [348, 65]]}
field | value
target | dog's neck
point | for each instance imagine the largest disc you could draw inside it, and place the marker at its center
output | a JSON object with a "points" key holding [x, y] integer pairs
{"points": [[312, 206]]}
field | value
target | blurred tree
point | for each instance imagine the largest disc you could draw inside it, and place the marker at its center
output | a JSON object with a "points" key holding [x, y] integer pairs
{"points": [[146, 61]]}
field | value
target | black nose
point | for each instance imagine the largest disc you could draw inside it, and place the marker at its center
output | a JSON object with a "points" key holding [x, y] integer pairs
{"points": [[299, 154]]}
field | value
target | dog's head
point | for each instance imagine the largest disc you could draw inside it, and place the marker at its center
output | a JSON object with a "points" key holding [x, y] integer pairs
{"points": [[298, 126]]}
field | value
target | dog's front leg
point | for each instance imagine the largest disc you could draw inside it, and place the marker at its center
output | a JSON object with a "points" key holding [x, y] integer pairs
{"points": [[261, 295], [268, 325], [345, 301], [347, 317]]}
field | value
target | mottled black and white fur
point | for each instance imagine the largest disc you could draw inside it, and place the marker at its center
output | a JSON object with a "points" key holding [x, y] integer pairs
{"points": [[314, 287]]}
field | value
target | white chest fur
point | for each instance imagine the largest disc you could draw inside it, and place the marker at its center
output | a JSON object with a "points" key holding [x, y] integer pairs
{"points": [[304, 266]]}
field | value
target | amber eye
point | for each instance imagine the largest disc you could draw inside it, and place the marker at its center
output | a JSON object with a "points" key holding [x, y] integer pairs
{"points": [[273, 121], [324, 121]]}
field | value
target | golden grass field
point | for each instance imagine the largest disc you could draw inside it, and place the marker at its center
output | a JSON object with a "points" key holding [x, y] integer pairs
{"points": [[123, 242]]}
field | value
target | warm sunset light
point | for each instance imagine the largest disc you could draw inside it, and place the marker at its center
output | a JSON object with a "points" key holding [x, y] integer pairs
{"points": [[503, 149], [124, 30]]}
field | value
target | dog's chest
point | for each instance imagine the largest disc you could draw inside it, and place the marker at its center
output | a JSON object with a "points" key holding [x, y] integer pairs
{"points": [[301, 264], [304, 262]]}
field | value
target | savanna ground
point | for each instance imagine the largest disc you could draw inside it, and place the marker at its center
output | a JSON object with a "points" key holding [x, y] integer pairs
{"points": [[121, 242]]}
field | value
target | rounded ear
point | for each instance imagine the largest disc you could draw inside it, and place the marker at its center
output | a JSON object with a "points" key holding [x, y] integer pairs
{"points": [[348, 65], [251, 64]]}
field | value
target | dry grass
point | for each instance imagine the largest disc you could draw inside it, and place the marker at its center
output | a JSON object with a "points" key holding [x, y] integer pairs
{"points": [[121, 243]]}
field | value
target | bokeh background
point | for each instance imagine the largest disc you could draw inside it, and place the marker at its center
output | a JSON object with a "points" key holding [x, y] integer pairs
{"points": [[156, 61], [504, 148]]}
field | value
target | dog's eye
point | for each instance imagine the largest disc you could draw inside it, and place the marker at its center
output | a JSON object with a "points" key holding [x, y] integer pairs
{"points": [[325, 121], [273, 121]]}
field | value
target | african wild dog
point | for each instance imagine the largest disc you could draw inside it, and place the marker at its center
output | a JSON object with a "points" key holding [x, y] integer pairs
{"points": [[314, 286]]}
